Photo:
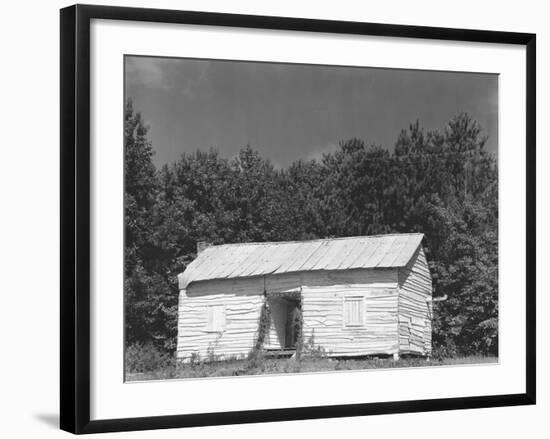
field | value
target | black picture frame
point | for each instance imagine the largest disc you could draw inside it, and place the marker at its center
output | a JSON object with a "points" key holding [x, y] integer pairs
{"points": [[75, 217]]}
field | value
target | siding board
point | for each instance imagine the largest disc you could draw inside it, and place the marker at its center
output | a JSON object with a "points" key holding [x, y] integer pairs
{"points": [[415, 324]]}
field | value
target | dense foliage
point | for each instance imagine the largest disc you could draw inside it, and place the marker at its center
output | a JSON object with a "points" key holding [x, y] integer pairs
{"points": [[441, 183]]}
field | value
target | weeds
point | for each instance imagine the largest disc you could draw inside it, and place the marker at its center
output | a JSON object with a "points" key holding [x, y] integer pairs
{"points": [[141, 358], [260, 365], [312, 351]]}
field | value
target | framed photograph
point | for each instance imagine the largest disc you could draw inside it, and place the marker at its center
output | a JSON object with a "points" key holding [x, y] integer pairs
{"points": [[274, 218]]}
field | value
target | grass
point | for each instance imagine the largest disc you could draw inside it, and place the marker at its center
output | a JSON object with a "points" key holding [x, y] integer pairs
{"points": [[261, 366]]}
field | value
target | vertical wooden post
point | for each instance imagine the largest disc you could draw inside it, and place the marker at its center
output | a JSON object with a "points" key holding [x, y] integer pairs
{"points": [[300, 329]]}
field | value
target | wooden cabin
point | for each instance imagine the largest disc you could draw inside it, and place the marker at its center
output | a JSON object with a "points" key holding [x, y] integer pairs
{"points": [[356, 296]]}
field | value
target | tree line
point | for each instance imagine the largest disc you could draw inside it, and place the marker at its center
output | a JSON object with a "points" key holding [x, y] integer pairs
{"points": [[443, 183]]}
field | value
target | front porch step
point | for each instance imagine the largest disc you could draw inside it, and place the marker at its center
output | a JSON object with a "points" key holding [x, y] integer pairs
{"points": [[279, 353]]}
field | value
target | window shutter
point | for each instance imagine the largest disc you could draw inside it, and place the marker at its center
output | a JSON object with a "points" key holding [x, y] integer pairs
{"points": [[215, 318], [353, 311]]}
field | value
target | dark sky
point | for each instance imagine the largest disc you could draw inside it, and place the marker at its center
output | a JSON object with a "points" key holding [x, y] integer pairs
{"points": [[292, 111]]}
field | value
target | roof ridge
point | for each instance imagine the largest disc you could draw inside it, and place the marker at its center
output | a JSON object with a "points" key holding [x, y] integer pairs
{"points": [[382, 235]]}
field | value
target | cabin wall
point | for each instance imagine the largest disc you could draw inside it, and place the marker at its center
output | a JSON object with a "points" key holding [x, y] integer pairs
{"points": [[323, 312], [322, 293], [415, 315], [242, 298]]}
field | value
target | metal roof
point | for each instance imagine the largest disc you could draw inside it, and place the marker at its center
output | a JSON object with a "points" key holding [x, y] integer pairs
{"points": [[230, 261]]}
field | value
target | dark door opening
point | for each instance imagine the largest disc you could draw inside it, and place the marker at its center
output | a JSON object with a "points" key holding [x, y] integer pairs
{"points": [[285, 321]]}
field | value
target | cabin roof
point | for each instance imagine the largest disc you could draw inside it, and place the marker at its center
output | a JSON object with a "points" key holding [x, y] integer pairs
{"points": [[229, 261]]}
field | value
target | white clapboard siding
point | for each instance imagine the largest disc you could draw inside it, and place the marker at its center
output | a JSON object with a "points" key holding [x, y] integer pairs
{"points": [[360, 278], [324, 312], [380, 277], [323, 299], [240, 300], [324, 325], [415, 324], [323, 295]]}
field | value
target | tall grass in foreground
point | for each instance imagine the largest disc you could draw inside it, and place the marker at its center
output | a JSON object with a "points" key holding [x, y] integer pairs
{"points": [[145, 362]]}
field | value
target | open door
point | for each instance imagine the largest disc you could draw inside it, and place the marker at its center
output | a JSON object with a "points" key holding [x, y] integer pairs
{"points": [[292, 324]]}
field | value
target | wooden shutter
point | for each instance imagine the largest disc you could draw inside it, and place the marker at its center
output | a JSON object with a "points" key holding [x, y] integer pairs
{"points": [[353, 311], [215, 318]]}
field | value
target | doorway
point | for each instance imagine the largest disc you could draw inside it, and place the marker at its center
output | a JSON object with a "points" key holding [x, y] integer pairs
{"points": [[285, 322]]}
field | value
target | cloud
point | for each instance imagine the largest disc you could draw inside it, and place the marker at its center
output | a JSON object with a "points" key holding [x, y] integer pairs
{"points": [[317, 153], [185, 76], [146, 72]]}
